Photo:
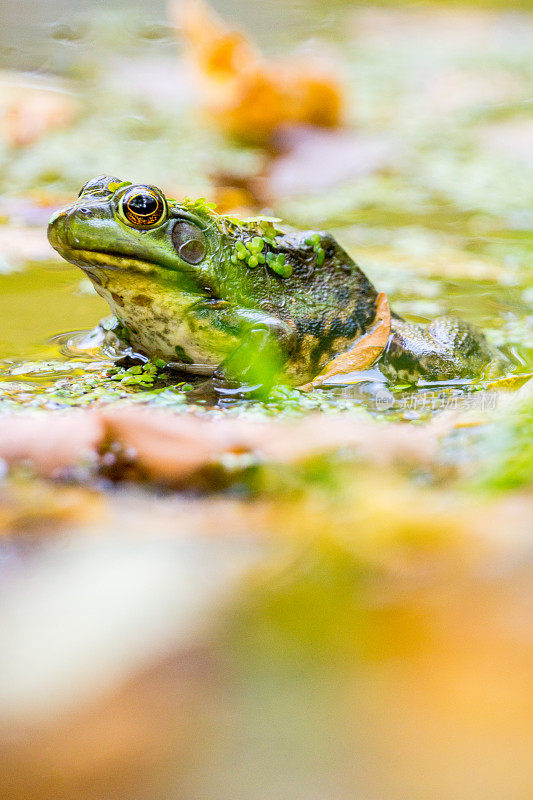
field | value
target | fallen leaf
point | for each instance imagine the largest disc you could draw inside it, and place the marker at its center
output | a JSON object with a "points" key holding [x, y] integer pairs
{"points": [[367, 349], [183, 448], [168, 447], [246, 95], [30, 108], [39, 507], [51, 444]]}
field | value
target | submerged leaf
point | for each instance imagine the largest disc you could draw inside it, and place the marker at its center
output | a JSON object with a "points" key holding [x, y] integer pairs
{"points": [[367, 350]]}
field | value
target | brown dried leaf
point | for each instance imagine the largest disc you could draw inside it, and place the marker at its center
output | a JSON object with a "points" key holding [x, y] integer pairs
{"points": [[364, 353], [182, 448], [171, 447], [51, 444], [245, 95]]}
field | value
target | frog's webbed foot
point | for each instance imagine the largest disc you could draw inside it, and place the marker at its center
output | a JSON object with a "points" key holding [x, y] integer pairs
{"points": [[447, 349]]}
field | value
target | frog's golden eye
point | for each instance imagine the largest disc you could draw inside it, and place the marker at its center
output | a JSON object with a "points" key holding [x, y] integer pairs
{"points": [[143, 207], [189, 241]]}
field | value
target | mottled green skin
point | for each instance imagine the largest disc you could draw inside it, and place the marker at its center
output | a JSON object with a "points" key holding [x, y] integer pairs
{"points": [[448, 348], [223, 313]]}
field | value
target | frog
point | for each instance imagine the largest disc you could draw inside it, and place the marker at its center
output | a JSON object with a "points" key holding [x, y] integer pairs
{"points": [[246, 299]]}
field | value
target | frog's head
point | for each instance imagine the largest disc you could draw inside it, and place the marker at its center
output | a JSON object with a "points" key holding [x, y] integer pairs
{"points": [[120, 233]]}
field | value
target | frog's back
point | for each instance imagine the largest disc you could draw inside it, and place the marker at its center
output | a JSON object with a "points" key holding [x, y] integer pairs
{"points": [[323, 295]]}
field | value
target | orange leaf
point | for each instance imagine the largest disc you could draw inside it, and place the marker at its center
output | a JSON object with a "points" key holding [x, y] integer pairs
{"points": [[366, 350], [245, 94]]}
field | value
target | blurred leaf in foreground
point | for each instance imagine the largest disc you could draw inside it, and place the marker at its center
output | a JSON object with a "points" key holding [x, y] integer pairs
{"points": [[511, 465]]}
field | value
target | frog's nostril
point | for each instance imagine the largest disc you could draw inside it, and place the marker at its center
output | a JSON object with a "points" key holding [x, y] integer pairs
{"points": [[83, 212]]}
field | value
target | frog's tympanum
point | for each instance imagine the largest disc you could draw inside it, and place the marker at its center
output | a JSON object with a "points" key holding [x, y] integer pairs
{"points": [[212, 292]]}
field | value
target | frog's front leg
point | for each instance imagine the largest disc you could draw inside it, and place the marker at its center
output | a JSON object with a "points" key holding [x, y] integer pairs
{"points": [[446, 349], [250, 346]]}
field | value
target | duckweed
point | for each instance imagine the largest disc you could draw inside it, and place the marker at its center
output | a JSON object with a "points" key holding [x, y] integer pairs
{"points": [[316, 243], [277, 264]]}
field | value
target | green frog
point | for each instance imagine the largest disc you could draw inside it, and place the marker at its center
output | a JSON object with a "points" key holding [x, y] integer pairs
{"points": [[243, 298]]}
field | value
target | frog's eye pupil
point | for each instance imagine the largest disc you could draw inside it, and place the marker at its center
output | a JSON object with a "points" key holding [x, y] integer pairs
{"points": [[143, 204], [189, 242]]}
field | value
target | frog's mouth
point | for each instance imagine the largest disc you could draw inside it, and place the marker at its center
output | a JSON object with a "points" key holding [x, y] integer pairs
{"points": [[91, 260], [88, 260]]}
